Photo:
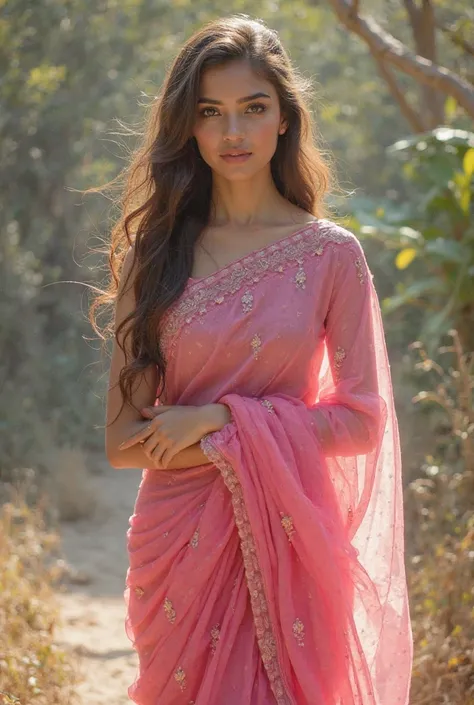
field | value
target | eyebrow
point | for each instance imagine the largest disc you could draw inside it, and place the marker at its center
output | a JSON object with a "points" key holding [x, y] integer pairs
{"points": [[240, 100]]}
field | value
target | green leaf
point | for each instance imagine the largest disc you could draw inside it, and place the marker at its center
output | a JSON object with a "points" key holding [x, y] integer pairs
{"points": [[444, 135], [449, 250], [413, 292], [405, 257]]}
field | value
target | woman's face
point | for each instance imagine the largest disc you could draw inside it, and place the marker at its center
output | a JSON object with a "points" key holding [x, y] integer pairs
{"points": [[237, 110]]}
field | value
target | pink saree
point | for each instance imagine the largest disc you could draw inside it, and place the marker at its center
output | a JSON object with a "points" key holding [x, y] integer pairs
{"points": [[275, 573]]}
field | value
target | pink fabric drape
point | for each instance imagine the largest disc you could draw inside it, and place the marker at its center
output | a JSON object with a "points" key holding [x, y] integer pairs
{"points": [[275, 572]]}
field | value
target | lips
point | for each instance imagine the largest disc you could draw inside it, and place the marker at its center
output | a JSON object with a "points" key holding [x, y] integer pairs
{"points": [[236, 154]]}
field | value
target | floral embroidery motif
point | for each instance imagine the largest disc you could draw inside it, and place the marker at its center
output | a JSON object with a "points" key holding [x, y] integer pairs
{"points": [[287, 524], [247, 302], [169, 610], [309, 242], [268, 405], [256, 345], [360, 270], [139, 591], [339, 357], [258, 601], [180, 678], [195, 539], [298, 631], [300, 278], [215, 636]]}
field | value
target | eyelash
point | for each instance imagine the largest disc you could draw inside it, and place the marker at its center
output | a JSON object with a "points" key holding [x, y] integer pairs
{"points": [[252, 105]]}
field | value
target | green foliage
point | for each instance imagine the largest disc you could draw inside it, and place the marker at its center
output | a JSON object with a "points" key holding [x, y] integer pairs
{"points": [[433, 232], [74, 74]]}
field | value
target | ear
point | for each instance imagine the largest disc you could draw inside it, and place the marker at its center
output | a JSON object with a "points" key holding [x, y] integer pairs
{"points": [[283, 126]]}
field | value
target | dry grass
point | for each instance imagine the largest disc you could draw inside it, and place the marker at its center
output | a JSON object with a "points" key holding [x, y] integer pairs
{"points": [[33, 670], [441, 583], [440, 525]]}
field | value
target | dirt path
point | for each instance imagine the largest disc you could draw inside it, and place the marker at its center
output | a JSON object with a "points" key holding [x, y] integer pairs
{"points": [[93, 608]]}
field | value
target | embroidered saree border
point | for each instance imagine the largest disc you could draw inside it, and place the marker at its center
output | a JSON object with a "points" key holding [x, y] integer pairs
{"points": [[258, 600], [214, 290]]}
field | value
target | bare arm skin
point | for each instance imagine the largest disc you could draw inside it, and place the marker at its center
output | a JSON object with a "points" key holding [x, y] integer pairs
{"points": [[129, 421]]}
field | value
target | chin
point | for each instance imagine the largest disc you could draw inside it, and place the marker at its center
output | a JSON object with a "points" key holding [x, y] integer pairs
{"points": [[240, 172]]}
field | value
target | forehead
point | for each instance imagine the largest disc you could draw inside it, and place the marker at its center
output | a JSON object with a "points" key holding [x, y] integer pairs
{"points": [[232, 81]]}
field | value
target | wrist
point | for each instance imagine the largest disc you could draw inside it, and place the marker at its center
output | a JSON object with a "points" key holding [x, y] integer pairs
{"points": [[216, 416]]}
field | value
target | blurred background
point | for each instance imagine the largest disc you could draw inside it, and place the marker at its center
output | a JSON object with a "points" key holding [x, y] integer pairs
{"points": [[395, 106]]}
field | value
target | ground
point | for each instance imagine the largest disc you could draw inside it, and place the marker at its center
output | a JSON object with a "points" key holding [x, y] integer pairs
{"points": [[93, 608]]}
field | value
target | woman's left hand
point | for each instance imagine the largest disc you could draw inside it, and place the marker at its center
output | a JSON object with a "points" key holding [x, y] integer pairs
{"points": [[174, 428]]}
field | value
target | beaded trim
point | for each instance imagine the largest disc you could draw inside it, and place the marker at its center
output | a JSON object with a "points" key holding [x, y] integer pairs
{"points": [[258, 600], [214, 289]]}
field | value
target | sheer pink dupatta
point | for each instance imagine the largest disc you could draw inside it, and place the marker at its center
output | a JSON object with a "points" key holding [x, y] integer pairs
{"points": [[317, 499]]}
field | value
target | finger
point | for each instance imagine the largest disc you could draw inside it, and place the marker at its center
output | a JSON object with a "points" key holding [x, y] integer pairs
{"points": [[152, 411], [151, 443], [167, 457], [157, 455], [136, 438]]}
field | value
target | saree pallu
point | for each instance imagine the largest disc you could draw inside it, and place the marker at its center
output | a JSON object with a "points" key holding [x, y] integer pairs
{"points": [[274, 573]]}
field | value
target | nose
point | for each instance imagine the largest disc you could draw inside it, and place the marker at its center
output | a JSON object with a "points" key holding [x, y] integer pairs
{"points": [[233, 130]]}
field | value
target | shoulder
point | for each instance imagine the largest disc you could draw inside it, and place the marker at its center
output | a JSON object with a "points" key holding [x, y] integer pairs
{"points": [[349, 256], [331, 232]]}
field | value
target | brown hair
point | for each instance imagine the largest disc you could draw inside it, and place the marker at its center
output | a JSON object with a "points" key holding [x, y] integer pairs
{"points": [[166, 199]]}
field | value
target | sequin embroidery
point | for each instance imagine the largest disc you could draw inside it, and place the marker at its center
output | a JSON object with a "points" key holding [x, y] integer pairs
{"points": [[256, 345], [258, 601], [310, 242], [247, 302], [298, 631], [300, 278], [180, 677], [268, 405], [287, 524], [139, 591], [215, 636], [195, 539], [339, 357], [360, 270], [169, 610]]}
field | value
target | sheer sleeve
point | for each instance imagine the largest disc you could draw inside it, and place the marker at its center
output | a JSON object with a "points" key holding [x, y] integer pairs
{"points": [[349, 411]]}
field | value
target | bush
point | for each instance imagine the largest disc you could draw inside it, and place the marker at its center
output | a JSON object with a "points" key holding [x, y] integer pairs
{"points": [[33, 670]]}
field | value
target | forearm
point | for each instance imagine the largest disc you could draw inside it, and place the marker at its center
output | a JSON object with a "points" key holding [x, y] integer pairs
{"points": [[344, 431], [135, 457], [214, 418]]}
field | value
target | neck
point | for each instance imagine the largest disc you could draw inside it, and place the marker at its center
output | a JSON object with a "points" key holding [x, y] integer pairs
{"points": [[253, 202]]}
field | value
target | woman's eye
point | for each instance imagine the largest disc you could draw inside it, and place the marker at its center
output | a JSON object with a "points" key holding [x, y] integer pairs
{"points": [[258, 105], [204, 111], [254, 108]]}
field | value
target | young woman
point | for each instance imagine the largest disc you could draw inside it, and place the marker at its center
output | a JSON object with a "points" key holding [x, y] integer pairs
{"points": [[249, 377]]}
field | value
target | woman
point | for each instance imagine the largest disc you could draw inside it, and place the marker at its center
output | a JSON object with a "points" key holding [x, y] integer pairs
{"points": [[266, 544]]}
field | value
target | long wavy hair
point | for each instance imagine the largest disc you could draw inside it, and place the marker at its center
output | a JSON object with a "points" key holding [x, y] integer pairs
{"points": [[166, 196]]}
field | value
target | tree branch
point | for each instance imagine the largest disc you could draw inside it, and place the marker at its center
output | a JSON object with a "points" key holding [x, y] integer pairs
{"points": [[414, 120], [423, 26], [390, 50]]}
